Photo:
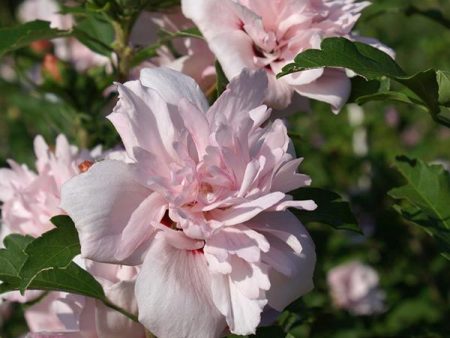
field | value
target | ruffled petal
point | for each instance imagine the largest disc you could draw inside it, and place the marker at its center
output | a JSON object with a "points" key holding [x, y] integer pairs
{"points": [[292, 256], [243, 94]]}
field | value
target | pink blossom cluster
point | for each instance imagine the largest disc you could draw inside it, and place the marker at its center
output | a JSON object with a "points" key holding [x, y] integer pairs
{"points": [[260, 34], [30, 198]]}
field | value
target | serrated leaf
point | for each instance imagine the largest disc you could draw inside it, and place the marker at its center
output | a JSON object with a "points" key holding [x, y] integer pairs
{"points": [[366, 61], [429, 89], [12, 38], [54, 249], [12, 257], [331, 209], [71, 278], [426, 198]]}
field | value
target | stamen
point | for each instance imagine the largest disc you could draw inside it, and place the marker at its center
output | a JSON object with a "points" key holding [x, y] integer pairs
{"points": [[85, 165]]}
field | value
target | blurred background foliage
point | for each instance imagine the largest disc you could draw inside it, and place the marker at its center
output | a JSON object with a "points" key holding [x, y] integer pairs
{"points": [[351, 153]]}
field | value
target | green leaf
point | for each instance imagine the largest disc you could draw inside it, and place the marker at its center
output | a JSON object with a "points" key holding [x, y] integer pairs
{"points": [[425, 198], [12, 38], [96, 33], [429, 89], [443, 79], [70, 278], [12, 257], [331, 209], [222, 81], [366, 61], [54, 249]]}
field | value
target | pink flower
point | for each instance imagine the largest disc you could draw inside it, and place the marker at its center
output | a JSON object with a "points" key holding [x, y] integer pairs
{"points": [[71, 315], [31, 198], [69, 49], [260, 34], [196, 59], [354, 287], [203, 206]]}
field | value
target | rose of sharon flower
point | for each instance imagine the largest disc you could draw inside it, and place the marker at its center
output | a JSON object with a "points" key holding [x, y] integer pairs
{"points": [[31, 198], [68, 49], [203, 206], [269, 34], [69, 315], [354, 287], [196, 59]]}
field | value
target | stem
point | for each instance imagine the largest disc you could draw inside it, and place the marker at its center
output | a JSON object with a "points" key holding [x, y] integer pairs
{"points": [[119, 309]]}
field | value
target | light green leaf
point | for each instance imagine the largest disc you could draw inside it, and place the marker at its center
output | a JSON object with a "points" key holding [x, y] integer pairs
{"points": [[96, 32], [12, 38], [425, 198]]}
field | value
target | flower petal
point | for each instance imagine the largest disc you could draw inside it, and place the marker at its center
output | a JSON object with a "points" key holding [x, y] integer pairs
{"points": [[174, 296], [332, 87], [288, 238], [100, 220], [174, 86]]}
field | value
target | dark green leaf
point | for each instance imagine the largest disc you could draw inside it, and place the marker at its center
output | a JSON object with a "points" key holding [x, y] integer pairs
{"points": [[12, 257], [443, 79], [222, 81], [429, 89], [425, 198], [70, 278], [54, 249], [12, 38], [331, 209], [366, 61]]}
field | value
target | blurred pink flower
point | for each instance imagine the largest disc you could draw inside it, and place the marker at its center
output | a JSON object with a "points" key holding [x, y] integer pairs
{"points": [[203, 206], [196, 59], [30, 198], [354, 287], [67, 49], [269, 34]]}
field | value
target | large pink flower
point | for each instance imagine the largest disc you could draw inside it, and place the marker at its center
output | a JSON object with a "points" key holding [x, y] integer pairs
{"points": [[203, 206], [269, 34], [31, 198]]}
